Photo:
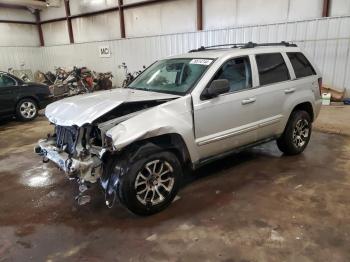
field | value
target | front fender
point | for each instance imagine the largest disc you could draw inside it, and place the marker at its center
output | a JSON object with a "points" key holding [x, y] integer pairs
{"points": [[173, 117]]}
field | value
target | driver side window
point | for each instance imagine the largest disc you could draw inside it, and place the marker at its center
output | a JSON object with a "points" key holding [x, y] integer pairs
{"points": [[6, 81], [238, 72]]}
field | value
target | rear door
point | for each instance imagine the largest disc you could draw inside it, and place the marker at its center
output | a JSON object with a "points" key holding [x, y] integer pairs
{"points": [[7, 94], [306, 77], [274, 84]]}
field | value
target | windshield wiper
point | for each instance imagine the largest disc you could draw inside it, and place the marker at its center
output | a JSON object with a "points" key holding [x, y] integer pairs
{"points": [[138, 88]]}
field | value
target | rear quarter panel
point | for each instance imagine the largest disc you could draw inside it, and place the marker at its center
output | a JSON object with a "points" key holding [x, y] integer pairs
{"points": [[39, 93], [306, 91]]}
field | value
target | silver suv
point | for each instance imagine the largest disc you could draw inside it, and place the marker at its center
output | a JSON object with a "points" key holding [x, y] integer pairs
{"points": [[183, 111]]}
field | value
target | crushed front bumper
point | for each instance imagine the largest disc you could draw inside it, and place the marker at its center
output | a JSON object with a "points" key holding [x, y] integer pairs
{"points": [[49, 151], [88, 169]]}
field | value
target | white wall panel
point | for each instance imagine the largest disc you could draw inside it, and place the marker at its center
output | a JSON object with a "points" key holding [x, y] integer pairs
{"points": [[325, 40], [142, 22], [96, 28], [16, 56], [178, 16], [16, 14], [261, 11], [53, 12], [84, 6], [219, 13], [18, 35], [339, 7], [162, 18], [55, 33], [301, 9]]}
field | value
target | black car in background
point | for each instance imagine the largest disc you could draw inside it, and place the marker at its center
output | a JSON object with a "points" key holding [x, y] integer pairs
{"points": [[22, 99]]}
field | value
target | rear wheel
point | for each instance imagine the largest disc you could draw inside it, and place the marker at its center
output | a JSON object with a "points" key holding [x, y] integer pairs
{"points": [[297, 133], [26, 109], [150, 183]]}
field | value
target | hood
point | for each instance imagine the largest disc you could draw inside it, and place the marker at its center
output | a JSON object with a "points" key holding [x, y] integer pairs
{"points": [[84, 109]]}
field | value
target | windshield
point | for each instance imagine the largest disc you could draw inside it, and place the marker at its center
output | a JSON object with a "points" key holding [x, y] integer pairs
{"points": [[174, 76]]}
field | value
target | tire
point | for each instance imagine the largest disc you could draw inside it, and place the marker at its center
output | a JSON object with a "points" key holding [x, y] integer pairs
{"points": [[26, 109], [297, 133], [141, 190]]}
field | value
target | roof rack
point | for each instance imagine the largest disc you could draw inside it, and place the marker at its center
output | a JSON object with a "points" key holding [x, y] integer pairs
{"points": [[242, 45]]}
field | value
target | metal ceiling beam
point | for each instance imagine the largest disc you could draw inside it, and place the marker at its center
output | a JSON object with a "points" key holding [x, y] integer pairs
{"points": [[38, 24], [121, 19], [144, 3], [53, 20], [325, 11], [17, 22], [69, 21], [199, 15], [108, 10], [12, 6]]}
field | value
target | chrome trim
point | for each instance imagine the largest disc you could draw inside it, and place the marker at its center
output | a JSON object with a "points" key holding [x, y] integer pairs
{"points": [[228, 135]]}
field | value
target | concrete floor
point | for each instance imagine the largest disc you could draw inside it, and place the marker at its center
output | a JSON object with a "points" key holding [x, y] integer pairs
{"points": [[334, 119], [252, 206]]}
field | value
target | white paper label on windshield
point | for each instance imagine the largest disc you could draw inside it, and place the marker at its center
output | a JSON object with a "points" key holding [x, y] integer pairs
{"points": [[201, 61]]}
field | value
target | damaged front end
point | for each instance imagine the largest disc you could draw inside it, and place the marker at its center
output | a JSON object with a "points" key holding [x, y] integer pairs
{"points": [[75, 151], [81, 152]]}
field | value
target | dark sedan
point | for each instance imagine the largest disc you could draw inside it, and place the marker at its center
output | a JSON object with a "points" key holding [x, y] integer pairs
{"points": [[22, 99]]}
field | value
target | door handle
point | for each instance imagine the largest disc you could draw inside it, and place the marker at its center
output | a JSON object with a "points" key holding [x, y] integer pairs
{"points": [[248, 101], [289, 91]]}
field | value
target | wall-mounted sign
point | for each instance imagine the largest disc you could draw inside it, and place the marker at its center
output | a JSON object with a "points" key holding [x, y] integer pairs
{"points": [[104, 51]]}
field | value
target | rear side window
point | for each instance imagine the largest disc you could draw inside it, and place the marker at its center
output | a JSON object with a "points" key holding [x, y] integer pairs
{"points": [[301, 65], [272, 68]]}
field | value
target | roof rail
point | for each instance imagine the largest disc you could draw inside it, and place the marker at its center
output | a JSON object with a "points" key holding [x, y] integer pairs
{"points": [[242, 45]]}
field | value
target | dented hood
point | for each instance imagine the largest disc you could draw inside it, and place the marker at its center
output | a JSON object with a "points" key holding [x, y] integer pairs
{"points": [[84, 109]]}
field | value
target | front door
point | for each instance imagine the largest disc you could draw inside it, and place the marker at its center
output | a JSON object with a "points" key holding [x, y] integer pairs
{"points": [[229, 120], [275, 86]]}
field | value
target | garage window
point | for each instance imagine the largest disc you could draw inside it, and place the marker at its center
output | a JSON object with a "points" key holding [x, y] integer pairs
{"points": [[301, 65], [272, 68]]}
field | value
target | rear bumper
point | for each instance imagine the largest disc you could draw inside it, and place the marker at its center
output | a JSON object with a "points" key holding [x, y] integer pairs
{"points": [[43, 103]]}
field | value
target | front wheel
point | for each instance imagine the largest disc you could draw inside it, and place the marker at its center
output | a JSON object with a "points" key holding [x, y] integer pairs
{"points": [[150, 183], [297, 133]]}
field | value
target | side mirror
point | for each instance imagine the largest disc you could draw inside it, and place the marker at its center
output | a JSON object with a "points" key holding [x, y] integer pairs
{"points": [[217, 87]]}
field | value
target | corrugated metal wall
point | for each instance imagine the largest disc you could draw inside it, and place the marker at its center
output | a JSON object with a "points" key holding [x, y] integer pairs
{"points": [[326, 40], [15, 57]]}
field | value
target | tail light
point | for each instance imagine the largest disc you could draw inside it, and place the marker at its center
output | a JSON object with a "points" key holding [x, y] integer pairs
{"points": [[320, 85]]}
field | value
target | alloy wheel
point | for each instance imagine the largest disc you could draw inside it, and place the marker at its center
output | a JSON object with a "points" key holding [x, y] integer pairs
{"points": [[28, 109], [301, 133], [154, 182]]}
